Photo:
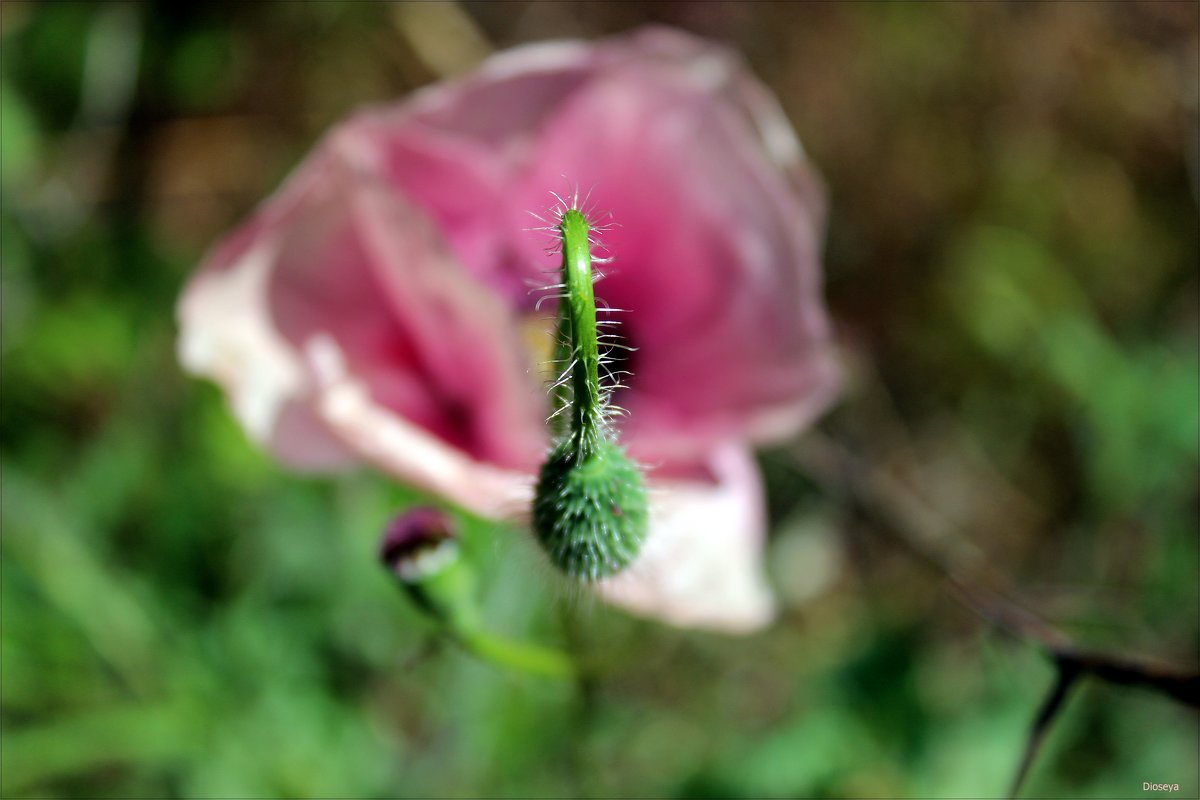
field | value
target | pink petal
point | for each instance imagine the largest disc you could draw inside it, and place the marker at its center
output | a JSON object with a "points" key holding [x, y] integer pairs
{"points": [[716, 254], [372, 308], [408, 452], [227, 334], [338, 254]]}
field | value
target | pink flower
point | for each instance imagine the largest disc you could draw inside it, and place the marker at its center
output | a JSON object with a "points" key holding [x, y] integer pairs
{"points": [[376, 308]]}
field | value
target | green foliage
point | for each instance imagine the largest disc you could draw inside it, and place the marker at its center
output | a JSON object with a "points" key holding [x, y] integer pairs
{"points": [[1013, 245], [1137, 403]]}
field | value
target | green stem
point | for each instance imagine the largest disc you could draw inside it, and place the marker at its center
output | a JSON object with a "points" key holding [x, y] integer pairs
{"points": [[517, 656], [580, 307], [561, 393], [590, 512]]}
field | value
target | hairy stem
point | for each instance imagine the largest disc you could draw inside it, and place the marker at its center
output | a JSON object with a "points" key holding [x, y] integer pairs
{"points": [[589, 508], [580, 314]]}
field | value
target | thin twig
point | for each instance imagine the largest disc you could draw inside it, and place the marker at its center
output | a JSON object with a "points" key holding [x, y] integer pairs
{"points": [[845, 476], [1181, 685], [1050, 706], [842, 474]]}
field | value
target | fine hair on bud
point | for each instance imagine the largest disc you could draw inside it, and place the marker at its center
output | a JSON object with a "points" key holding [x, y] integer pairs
{"points": [[590, 512], [590, 515]]}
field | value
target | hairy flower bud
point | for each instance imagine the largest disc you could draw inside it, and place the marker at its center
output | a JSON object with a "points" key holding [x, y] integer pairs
{"points": [[420, 548]]}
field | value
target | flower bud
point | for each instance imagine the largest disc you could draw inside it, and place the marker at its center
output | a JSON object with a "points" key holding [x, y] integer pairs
{"points": [[420, 548]]}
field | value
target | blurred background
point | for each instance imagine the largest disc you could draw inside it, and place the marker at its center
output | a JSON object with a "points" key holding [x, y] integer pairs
{"points": [[1012, 268]]}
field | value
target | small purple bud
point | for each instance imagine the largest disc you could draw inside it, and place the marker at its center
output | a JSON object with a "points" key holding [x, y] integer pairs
{"points": [[418, 543]]}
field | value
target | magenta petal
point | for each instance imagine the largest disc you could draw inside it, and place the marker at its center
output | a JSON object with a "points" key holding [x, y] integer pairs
{"points": [[373, 309], [341, 256], [715, 256]]}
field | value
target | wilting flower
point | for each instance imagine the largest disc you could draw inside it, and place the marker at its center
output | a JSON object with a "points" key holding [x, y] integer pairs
{"points": [[418, 543], [420, 548], [377, 307]]}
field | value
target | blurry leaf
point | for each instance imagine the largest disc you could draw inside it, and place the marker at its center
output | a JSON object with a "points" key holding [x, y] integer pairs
{"points": [[202, 67], [1004, 286], [19, 139], [45, 59], [89, 742], [48, 546], [16, 284], [223, 444], [73, 346], [812, 754], [1140, 405]]}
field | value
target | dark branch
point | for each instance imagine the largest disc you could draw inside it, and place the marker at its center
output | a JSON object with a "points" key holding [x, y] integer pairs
{"points": [[843, 475], [1050, 706], [888, 508]]}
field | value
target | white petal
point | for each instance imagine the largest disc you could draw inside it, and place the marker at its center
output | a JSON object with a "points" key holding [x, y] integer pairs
{"points": [[701, 565], [226, 334]]}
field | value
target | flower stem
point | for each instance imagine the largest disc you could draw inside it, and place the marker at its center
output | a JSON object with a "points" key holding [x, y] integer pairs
{"points": [[589, 510], [580, 313], [517, 656]]}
